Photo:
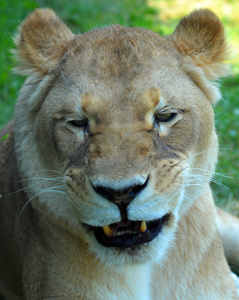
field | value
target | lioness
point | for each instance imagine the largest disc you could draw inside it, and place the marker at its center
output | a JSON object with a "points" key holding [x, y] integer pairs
{"points": [[105, 172]]}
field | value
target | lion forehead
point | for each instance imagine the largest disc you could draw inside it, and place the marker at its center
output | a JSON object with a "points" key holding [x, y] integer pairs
{"points": [[119, 52]]}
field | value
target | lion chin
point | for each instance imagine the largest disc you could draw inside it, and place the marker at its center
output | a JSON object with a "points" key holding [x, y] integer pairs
{"points": [[132, 242], [106, 168]]}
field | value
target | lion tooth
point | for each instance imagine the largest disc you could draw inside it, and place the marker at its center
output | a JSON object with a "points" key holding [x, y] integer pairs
{"points": [[143, 227], [108, 231]]}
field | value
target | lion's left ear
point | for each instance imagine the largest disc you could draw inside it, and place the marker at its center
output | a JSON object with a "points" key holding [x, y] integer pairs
{"points": [[200, 38], [41, 42]]}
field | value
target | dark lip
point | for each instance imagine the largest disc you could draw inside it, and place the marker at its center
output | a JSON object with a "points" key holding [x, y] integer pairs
{"points": [[132, 239]]}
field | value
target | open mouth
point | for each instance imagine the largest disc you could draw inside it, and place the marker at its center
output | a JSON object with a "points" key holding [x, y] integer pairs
{"points": [[128, 233]]}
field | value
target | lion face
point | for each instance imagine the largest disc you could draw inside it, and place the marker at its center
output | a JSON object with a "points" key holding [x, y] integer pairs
{"points": [[121, 137]]}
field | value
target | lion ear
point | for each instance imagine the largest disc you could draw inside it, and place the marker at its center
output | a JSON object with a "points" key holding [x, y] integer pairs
{"points": [[41, 42], [201, 37]]}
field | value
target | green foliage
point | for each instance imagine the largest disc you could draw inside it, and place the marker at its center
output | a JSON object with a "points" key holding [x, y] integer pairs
{"points": [[4, 137], [12, 12], [227, 124], [82, 15]]}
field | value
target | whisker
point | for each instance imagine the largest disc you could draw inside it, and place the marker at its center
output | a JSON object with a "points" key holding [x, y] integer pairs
{"points": [[36, 184], [203, 178], [34, 196], [215, 173], [180, 235], [42, 178], [49, 170], [194, 184]]}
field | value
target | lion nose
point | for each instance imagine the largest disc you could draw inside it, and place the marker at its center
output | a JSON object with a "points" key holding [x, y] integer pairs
{"points": [[121, 196]]}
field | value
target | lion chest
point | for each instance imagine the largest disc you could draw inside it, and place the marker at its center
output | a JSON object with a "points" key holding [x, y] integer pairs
{"points": [[86, 279]]}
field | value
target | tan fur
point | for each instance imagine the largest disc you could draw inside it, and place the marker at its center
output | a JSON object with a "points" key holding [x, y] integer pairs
{"points": [[228, 227], [121, 80]]}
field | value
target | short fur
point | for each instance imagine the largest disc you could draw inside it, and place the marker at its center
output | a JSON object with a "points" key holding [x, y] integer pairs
{"points": [[228, 227], [121, 80]]}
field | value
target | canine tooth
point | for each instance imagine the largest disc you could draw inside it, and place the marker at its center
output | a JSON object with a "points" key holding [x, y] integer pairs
{"points": [[143, 227], [108, 231]]}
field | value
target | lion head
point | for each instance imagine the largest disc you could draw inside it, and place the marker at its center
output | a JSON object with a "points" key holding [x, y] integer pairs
{"points": [[114, 128]]}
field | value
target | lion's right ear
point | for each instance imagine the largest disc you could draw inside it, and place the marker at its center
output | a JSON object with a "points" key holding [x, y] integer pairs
{"points": [[41, 42]]}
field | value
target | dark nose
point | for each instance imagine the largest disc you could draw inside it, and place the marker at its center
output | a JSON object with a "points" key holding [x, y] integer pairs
{"points": [[120, 197]]}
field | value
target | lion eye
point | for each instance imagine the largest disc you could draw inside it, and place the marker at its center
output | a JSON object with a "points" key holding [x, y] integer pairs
{"points": [[79, 123], [165, 117]]}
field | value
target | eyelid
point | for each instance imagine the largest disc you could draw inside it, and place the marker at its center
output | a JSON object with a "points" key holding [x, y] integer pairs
{"points": [[167, 109], [69, 124], [170, 109], [165, 117], [79, 123]]}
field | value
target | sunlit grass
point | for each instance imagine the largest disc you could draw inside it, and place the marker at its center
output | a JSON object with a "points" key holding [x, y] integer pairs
{"points": [[169, 12]]}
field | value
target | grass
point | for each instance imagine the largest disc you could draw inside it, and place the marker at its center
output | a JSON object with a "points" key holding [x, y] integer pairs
{"points": [[12, 12], [227, 124], [160, 16]]}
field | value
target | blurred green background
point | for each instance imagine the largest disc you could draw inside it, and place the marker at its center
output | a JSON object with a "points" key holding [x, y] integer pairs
{"points": [[162, 17]]}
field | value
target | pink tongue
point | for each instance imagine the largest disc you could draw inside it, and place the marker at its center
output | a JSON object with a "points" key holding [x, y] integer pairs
{"points": [[124, 223]]}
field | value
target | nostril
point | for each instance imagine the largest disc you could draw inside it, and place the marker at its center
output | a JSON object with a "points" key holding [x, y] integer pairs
{"points": [[105, 193], [137, 189]]}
